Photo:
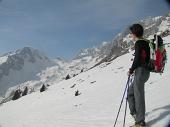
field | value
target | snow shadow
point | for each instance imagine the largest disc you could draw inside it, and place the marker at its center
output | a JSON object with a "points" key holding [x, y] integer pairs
{"points": [[161, 116]]}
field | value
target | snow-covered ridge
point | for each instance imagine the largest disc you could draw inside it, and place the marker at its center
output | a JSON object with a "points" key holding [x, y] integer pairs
{"points": [[95, 51]]}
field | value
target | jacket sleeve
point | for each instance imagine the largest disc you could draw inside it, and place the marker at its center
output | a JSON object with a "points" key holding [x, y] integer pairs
{"points": [[136, 61]]}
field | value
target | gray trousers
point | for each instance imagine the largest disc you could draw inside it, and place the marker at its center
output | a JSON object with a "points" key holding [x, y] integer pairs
{"points": [[136, 94]]}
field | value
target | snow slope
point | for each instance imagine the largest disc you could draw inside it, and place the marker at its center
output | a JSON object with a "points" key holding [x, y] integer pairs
{"points": [[101, 90]]}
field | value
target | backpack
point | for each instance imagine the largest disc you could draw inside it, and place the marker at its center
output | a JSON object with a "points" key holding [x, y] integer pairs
{"points": [[158, 56]]}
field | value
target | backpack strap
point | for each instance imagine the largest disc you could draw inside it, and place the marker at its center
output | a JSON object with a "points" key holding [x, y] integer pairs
{"points": [[156, 43], [152, 48]]}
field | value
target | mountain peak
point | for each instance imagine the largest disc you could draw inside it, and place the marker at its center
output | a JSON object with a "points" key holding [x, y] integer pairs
{"points": [[26, 49], [31, 54], [20, 66]]}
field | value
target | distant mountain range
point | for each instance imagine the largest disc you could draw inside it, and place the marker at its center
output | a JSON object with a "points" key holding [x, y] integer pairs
{"points": [[28, 66]]}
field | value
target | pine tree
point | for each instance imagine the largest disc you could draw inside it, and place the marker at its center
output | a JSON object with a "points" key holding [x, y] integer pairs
{"points": [[43, 88], [25, 91]]}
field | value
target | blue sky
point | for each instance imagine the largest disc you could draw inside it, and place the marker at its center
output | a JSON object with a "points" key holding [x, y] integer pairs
{"points": [[60, 28]]}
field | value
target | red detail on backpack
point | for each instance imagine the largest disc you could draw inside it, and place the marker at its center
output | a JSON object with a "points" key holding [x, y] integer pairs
{"points": [[159, 60]]}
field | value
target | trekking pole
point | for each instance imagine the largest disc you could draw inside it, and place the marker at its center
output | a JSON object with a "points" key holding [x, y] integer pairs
{"points": [[122, 100], [124, 121]]}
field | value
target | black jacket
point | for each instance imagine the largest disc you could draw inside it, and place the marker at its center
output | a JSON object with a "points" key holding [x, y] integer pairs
{"points": [[142, 54]]}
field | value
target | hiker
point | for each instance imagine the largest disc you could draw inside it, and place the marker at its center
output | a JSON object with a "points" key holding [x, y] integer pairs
{"points": [[136, 95]]}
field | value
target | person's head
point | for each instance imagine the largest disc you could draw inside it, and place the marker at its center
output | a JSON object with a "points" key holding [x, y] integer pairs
{"points": [[136, 31]]}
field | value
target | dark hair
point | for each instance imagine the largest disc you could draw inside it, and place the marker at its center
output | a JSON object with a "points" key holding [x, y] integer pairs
{"points": [[137, 30]]}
